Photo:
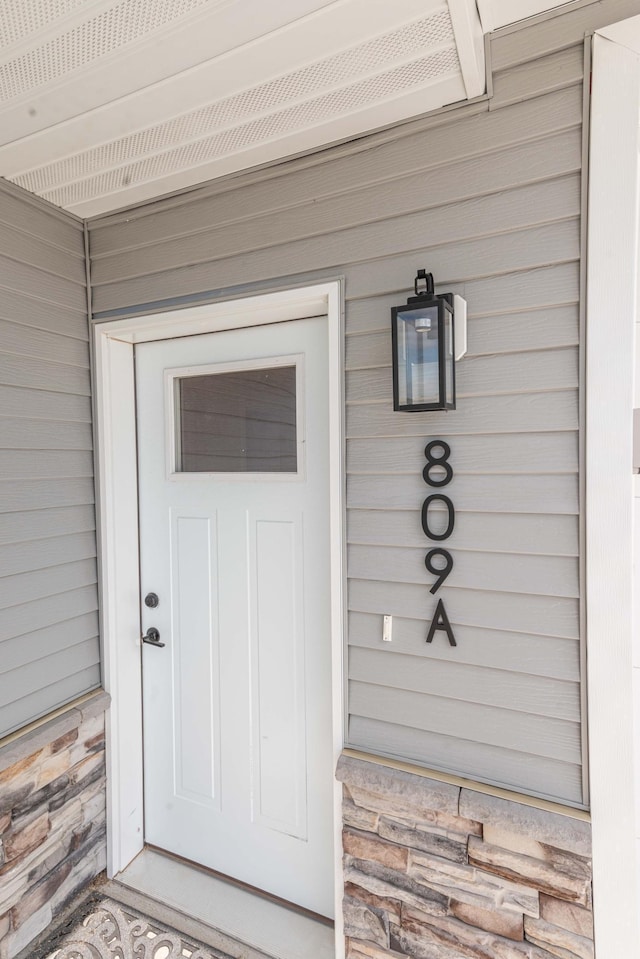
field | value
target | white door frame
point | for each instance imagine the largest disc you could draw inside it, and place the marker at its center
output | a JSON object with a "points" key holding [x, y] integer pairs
{"points": [[612, 314], [117, 511]]}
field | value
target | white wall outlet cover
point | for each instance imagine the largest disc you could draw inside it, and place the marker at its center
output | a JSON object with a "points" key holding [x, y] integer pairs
{"points": [[460, 325]]}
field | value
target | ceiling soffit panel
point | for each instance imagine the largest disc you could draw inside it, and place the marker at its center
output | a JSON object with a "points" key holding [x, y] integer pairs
{"points": [[103, 104]]}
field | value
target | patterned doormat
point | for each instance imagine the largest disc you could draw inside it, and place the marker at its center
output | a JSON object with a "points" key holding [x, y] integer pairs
{"points": [[104, 929]]}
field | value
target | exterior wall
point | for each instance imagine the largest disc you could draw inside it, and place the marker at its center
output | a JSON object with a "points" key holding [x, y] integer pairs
{"points": [[49, 651], [438, 871], [487, 197], [52, 820]]}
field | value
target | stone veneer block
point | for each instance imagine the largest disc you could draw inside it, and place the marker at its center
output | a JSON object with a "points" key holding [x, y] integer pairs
{"points": [[397, 887], [424, 839], [567, 862], [361, 922], [366, 950], [398, 792], [507, 924], [559, 942], [567, 915], [363, 845], [473, 886], [419, 934], [563, 832], [15, 942], [52, 820], [494, 879], [525, 869], [25, 747], [358, 816], [392, 907]]}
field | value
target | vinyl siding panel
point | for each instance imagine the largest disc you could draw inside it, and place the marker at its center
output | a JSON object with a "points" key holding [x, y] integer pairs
{"points": [[517, 653], [32, 526], [488, 198], [482, 761], [49, 647], [529, 534]]}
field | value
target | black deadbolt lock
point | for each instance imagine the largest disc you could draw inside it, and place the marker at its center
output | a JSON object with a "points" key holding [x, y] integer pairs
{"points": [[151, 600]]}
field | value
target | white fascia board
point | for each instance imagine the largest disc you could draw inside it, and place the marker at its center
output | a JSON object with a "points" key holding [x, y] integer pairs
{"points": [[487, 18], [502, 13], [442, 93], [308, 39], [468, 32]]}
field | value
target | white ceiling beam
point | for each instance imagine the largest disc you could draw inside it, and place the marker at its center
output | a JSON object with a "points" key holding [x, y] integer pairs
{"points": [[468, 32]]}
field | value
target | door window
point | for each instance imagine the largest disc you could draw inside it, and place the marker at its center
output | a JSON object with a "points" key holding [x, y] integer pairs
{"points": [[237, 422]]}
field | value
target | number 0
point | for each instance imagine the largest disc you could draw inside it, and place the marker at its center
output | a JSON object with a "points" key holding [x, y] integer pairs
{"points": [[440, 497]]}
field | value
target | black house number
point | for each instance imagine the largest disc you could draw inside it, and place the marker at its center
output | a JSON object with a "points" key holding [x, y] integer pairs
{"points": [[439, 562]]}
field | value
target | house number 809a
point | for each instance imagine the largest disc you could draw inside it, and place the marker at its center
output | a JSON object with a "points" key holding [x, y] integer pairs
{"points": [[438, 472]]}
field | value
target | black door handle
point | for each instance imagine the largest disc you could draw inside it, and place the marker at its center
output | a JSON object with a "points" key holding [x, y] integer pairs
{"points": [[152, 637]]}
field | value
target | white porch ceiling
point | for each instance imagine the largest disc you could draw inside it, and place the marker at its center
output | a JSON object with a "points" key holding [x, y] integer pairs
{"points": [[105, 103]]}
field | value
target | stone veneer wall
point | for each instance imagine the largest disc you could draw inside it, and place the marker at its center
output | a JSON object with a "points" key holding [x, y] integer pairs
{"points": [[437, 871], [52, 820]]}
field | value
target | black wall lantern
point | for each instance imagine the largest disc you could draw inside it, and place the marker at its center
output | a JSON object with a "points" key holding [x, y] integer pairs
{"points": [[424, 351]]}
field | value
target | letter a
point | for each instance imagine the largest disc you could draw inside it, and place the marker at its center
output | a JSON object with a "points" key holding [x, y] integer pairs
{"points": [[441, 621]]}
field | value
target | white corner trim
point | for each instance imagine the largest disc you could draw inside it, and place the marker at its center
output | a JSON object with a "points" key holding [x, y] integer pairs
{"points": [[118, 523], [117, 518], [611, 313]]}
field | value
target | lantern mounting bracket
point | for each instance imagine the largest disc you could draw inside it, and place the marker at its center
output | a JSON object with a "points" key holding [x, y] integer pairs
{"points": [[428, 284]]}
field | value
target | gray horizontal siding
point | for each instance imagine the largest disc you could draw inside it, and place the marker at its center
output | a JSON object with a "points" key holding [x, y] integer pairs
{"points": [[486, 686], [501, 609], [493, 453], [527, 533], [494, 764], [542, 575], [37, 614], [489, 199], [45, 698], [49, 648], [529, 655], [45, 553], [71, 633], [494, 493], [43, 524], [43, 284], [40, 313]]}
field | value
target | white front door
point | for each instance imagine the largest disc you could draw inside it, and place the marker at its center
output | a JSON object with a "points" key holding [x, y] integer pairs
{"points": [[234, 505]]}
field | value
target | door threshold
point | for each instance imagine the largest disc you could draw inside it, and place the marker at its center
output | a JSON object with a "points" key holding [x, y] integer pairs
{"points": [[224, 915]]}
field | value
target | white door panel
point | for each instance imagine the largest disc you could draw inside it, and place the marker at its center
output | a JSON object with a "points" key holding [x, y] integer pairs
{"points": [[237, 705]]}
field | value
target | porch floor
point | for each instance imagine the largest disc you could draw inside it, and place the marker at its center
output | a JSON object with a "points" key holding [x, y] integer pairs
{"points": [[164, 908], [219, 914]]}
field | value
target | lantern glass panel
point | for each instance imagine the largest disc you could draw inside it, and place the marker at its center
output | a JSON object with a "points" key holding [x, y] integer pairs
{"points": [[418, 368]]}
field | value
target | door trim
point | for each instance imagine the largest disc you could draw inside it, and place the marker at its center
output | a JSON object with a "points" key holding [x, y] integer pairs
{"points": [[117, 522]]}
